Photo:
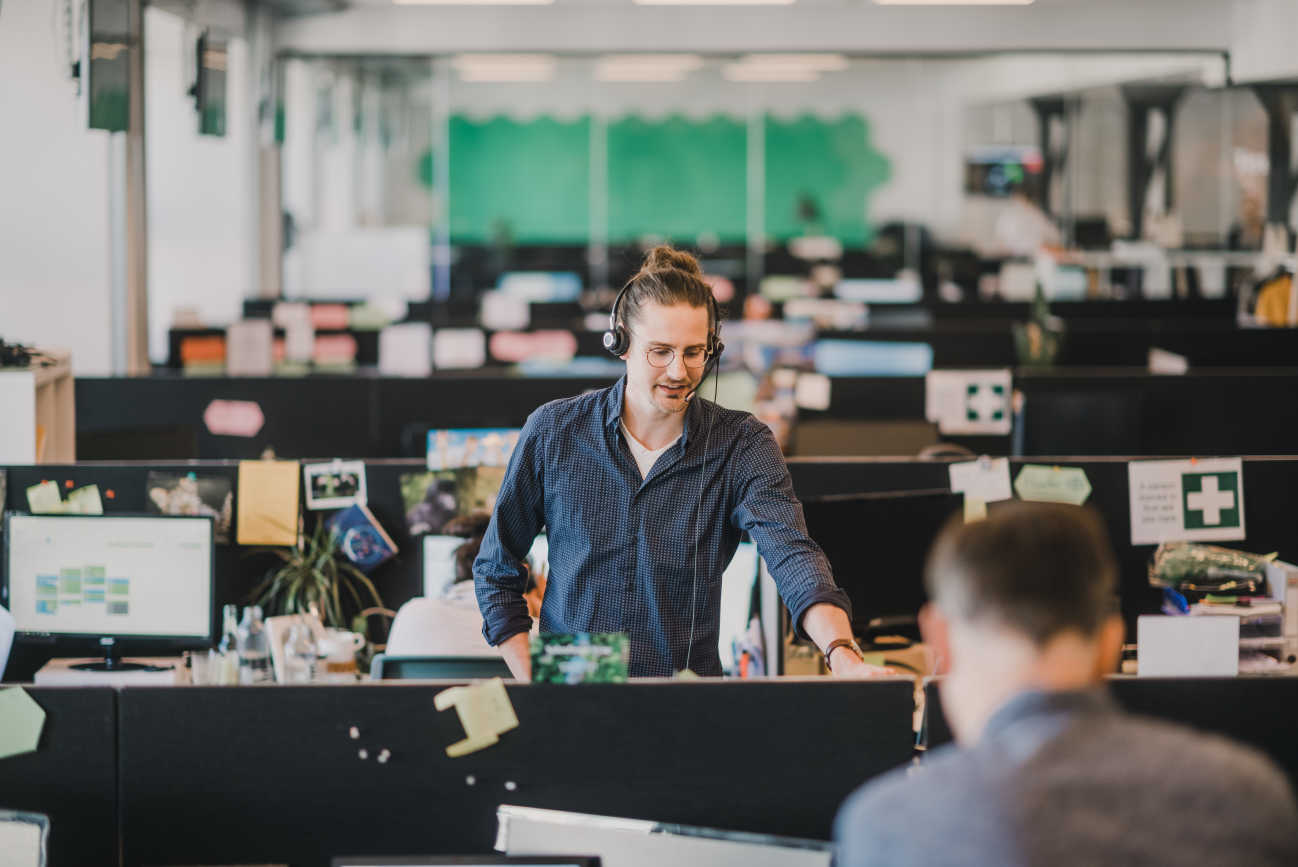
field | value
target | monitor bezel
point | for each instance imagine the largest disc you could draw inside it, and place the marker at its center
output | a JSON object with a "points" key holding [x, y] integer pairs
{"points": [[440, 860], [68, 644]]}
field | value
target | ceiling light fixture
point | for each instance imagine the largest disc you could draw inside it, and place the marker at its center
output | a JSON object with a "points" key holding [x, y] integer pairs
{"points": [[472, 2], [954, 2], [504, 67], [655, 68], [715, 2]]}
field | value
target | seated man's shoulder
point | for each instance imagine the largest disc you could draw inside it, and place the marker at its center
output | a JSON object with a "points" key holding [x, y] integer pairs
{"points": [[947, 773], [1173, 752], [954, 793]]}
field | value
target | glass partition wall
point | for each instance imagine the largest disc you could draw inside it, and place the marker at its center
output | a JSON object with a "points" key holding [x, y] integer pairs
{"points": [[439, 178]]}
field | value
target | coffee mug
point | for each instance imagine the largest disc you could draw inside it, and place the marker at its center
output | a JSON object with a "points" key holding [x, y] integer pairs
{"points": [[338, 653]]}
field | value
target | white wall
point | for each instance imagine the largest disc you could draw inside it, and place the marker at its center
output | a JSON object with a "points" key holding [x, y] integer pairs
{"points": [[54, 253], [200, 188], [1264, 40]]}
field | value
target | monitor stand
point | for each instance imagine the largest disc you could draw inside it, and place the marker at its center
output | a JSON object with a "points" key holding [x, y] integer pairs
{"points": [[116, 663]]}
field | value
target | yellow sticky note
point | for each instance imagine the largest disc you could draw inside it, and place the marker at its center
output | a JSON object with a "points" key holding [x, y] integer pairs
{"points": [[21, 721], [974, 509], [45, 499], [485, 711], [85, 501], [268, 504]]}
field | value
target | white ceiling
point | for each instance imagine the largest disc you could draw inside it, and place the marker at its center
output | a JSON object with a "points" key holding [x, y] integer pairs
{"points": [[853, 26]]}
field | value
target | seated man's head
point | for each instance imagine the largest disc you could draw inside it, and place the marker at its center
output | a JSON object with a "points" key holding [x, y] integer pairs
{"points": [[1024, 599]]}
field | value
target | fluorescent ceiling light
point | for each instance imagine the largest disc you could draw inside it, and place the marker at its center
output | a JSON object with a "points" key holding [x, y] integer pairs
{"points": [[715, 2], [783, 67], [473, 2], [646, 67], [954, 2], [504, 67], [751, 73], [814, 62]]}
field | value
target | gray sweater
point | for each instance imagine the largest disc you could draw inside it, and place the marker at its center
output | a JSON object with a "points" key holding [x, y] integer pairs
{"points": [[1064, 779]]}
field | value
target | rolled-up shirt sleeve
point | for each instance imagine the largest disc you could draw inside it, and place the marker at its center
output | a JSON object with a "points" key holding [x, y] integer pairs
{"points": [[772, 516], [498, 574]]}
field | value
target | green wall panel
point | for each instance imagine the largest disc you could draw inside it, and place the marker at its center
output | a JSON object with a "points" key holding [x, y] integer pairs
{"points": [[529, 177], [677, 178], [824, 167]]}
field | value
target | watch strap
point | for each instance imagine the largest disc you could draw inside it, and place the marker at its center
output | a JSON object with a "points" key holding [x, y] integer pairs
{"points": [[842, 642]]}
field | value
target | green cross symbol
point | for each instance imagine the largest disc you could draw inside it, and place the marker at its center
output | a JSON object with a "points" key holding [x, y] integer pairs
{"points": [[1211, 500]]}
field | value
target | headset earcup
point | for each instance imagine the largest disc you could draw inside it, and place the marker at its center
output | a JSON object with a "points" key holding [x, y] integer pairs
{"points": [[616, 342]]}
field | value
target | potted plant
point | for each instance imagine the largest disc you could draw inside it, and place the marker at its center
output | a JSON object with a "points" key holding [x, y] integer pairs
{"points": [[316, 575]]}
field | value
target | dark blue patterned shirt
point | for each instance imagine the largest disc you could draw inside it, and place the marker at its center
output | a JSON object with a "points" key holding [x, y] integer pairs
{"points": [[623, 549]]}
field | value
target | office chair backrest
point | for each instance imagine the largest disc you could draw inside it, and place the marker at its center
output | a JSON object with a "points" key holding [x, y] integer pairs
{"points": [[385, 667]]}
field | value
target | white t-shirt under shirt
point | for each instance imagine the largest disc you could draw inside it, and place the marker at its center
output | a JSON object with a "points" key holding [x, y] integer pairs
{"points": [[644, 458]]}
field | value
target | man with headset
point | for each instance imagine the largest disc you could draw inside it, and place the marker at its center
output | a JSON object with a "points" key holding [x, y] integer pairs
{"points": [[644, 492]]}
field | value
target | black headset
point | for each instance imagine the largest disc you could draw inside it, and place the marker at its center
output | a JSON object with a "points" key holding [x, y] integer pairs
{"points": [[617, 340]]}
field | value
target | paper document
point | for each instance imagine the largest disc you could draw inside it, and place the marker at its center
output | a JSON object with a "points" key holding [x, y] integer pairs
{"points": [[986, 479], [1193, 500], [267, 503]]}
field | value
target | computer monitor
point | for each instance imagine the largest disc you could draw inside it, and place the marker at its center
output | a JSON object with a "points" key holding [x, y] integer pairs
{"points": [[110, 584], [877, 545], [480, 860]]}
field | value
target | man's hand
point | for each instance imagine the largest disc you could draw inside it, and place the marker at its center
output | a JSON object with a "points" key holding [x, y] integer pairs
{"points": [[847, 665]]}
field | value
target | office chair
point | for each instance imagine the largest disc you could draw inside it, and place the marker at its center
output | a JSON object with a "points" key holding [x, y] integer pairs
{"points": [[385, 667]]}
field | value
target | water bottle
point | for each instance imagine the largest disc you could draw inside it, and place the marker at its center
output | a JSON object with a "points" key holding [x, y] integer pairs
{"points": [[300, 655], [254, 648], [223, 663]]}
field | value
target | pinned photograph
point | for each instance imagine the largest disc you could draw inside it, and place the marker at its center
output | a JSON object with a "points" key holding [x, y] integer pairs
{"points": [[471, 447], [192, 494], [334, 485], [434, 498], [430, 501]]}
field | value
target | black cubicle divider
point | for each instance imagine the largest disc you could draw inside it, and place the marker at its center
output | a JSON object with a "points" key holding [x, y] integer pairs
{"points": [[160, 417], [1131, 412], [1270, 502], [72, 776], [255, 775], [1089, 342], [1259, 711]]}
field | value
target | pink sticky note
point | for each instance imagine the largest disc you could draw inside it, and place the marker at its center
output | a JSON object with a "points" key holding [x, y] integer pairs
{"points": [[233, 418]]}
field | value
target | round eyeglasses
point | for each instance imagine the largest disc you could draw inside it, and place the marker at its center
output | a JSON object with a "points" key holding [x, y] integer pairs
{"points": [[663, 356]]}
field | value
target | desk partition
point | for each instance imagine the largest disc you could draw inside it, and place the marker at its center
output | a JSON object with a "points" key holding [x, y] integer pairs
{"points": [[72, 776], [222, 775]]}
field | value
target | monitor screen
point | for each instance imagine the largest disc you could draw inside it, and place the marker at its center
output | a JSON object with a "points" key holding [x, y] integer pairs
{"points": [[479, 860], [877, 545], [125, 576]]}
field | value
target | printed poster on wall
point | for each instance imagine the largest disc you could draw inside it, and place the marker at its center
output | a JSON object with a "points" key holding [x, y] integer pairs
{"points": [[1191, 500]]}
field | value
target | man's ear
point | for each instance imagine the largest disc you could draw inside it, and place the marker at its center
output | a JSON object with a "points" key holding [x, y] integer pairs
{"points": [[1108, 655], [935, 629]]}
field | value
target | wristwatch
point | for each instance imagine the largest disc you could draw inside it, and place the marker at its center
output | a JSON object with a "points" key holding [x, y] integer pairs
{"points": [[842, 642]]}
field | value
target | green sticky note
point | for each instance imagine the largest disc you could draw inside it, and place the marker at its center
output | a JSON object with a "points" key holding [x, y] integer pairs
{"points": [[45, 499], [85, 501], [21, 720], [1043, 484]]}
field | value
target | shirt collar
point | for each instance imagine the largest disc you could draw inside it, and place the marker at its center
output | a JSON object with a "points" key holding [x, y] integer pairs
{"points": [[613, 409], [1040, 703]]}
